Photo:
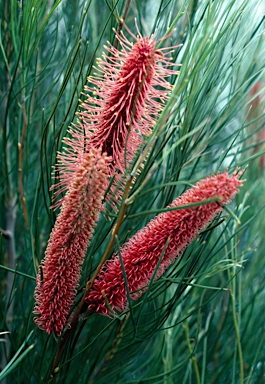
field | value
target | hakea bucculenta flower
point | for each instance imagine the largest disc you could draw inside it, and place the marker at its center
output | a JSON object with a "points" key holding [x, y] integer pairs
{"points": [[124, 99], [168, 234], [60, 270]]}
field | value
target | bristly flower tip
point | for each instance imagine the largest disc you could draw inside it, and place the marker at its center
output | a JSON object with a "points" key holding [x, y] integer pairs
{"points": [[124, 99], [169, 233]]}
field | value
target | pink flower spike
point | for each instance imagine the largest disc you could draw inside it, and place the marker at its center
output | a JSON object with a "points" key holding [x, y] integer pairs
{"points": [[60, 272], [176, 229], [124, 98]]}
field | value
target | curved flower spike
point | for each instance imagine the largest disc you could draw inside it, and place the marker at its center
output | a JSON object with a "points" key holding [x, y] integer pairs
{"points": [[60, 271], [124, 98], [173, 229]]}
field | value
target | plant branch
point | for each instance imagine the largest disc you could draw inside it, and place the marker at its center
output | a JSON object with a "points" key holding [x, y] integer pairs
{"points": [[89, 284], [121, 21]]}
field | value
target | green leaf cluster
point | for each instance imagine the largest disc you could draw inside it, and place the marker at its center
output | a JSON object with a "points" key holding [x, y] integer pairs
{"points": [[203, 321]]}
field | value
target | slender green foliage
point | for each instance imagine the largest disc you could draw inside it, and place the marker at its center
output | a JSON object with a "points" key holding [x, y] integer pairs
{"points": [[203, 320]]}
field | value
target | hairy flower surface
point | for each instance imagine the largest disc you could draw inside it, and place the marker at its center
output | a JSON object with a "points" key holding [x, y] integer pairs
{"points": [[169, 232], [61, 268], [124, 98]]}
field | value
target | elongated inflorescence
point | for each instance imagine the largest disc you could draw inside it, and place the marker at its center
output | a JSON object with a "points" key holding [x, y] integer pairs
{"points": [[60, 271], [169, 232], [124, 99]]}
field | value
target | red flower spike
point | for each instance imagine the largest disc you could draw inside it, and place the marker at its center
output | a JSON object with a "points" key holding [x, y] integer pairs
{"points": [[122, 105], [60, 271], [142, 252]]}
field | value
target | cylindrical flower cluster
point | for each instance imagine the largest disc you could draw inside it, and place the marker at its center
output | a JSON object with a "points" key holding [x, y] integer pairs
{"points": [[124, 98], [174, 230], [60, 271]]}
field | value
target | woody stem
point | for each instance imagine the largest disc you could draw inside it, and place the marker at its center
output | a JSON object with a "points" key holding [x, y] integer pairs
{"points": [[89, 284]]}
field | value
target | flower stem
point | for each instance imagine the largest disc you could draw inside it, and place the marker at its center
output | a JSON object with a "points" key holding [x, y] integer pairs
{"points": [[114, 233], [89, 284], [121, 21]]}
